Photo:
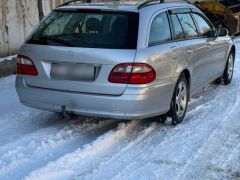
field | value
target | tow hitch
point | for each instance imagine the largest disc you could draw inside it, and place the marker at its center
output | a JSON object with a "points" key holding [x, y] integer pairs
{"points": [[64, 113]]}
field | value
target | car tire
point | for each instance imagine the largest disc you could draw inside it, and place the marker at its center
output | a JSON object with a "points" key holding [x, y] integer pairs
{"points": [[179, 102], [228, 71]]}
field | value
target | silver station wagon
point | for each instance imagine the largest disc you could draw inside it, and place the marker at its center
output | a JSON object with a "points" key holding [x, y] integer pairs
{"points": [[124, 60]]}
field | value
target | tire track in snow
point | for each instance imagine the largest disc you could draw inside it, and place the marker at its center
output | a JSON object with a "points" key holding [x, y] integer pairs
{"points": [[231, 167], [72, 163], [118, 154], [129, 152], [102, 172], [220, 143], [194, 140], [38, 148], [138, 135], [229, 152], [198, 161], [160, 147]]}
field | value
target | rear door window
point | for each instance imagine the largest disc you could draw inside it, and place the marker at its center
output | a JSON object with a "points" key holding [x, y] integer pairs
{"points": [[177, 28], [160, 29], [205, 29], [188, 25], [113, 30]]}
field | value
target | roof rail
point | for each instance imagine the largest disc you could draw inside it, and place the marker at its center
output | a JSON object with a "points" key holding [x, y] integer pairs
{"points": [[72, 1], [140, 5], [146, 3]]}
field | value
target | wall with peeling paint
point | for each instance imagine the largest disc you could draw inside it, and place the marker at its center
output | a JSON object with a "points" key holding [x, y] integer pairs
{"points": [[17, 19]]}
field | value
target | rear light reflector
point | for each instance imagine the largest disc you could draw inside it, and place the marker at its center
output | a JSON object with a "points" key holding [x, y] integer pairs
{"points": [[26, 66], [132, 73]]}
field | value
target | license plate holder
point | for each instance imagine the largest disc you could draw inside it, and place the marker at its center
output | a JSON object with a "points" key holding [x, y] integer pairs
{"points": [[74, 72]]}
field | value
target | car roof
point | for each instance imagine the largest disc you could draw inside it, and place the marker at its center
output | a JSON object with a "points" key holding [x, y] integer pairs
{"points": [[132, 6]]}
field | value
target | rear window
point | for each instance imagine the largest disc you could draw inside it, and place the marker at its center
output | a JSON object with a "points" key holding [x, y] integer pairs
{"points": [[81, 28]]}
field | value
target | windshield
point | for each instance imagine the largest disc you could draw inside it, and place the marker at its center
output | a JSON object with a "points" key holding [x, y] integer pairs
{"points": [[114, 30]]}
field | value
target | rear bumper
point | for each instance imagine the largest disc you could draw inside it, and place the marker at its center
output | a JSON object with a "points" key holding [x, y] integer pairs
{"points": [[127, 106]]}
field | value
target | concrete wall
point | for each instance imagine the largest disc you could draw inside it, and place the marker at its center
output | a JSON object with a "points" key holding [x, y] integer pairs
{"points": [[17, 19]]}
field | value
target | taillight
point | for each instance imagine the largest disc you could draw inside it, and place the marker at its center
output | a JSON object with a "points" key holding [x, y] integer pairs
{"points": [[26, 66], [132, 73]]}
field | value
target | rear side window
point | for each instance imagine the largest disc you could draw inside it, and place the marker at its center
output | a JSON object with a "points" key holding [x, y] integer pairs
{"points": [[159, 30], [204, 27], [177, 28], [188, 25], [113, 30]]}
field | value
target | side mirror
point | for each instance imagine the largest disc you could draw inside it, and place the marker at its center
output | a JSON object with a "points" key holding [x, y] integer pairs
{"points": [[222, 32]]}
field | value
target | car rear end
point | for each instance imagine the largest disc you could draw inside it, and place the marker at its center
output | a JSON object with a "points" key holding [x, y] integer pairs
{"points": [[81, 59]]}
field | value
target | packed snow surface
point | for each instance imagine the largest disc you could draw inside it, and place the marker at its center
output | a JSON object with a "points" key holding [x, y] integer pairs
{"points": [[41, 145]]}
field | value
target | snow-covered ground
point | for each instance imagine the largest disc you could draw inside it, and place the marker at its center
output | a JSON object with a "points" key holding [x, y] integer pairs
{"points": [[9, 58], [40, 145]]}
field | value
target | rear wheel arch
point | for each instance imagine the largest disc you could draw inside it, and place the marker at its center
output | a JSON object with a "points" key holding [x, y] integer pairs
{"points": [[233, 50], [229, 68], [187, 74], [184, 77]]}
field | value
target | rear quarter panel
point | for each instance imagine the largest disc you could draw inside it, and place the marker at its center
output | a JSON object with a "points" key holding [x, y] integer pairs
{"points": [[165, 58]]}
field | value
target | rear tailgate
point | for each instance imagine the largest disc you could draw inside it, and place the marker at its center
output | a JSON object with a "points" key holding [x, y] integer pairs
{"points": [[76, 49], [105, 59]]}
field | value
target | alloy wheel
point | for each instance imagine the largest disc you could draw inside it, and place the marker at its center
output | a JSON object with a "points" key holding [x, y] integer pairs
{"points": [[181, 99], [230, 67]]}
